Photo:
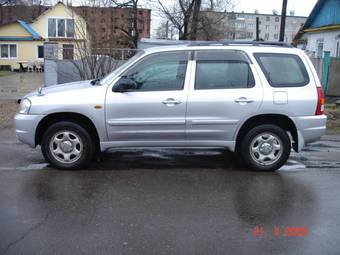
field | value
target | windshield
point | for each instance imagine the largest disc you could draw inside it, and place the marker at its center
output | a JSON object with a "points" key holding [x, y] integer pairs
{"points": [[115, 72]]}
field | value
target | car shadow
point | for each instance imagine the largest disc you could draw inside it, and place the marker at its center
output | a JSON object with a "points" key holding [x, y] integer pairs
{"points": [[158, 159]]}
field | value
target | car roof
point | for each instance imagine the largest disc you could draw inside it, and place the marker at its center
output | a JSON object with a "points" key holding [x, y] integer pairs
{"points": [[245, 47]]}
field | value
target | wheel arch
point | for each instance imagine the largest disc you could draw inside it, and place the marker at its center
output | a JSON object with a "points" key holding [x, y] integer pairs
{"points": [[78, 118], [280, 120]]}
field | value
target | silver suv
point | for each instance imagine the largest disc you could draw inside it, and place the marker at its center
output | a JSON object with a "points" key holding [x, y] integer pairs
{"points": [[258, 99]]}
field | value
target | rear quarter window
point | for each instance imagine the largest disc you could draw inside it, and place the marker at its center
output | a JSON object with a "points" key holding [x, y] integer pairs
{"points": [[283, 70]]}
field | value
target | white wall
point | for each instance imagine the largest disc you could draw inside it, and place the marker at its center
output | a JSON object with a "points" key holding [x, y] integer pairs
{"points": [[330, 39]]}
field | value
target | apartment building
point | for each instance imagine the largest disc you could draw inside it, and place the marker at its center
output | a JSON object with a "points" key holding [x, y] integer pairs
{"points": [[242, 26]]}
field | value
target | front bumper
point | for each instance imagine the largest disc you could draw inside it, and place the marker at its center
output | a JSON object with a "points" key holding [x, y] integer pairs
{"points": [[310, 128], [25, 127]]}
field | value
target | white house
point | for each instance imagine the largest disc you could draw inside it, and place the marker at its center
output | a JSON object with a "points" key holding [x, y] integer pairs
{"points": [[322, 29]]}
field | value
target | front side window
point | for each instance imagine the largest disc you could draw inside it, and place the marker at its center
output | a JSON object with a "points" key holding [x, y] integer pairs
{"points": [[8, 51], [223, 70], [283, 70], [159, 72]]}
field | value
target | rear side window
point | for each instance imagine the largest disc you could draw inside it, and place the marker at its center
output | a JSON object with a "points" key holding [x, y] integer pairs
{"points": [[223, 70], [283, 70]]}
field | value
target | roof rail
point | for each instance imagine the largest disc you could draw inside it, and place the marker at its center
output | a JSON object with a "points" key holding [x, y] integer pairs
{"points": [[235, 42]]}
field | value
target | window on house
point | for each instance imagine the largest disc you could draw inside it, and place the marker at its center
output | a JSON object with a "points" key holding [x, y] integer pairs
{"points": [[40, 49], [70, 28], [267, 18], [61, 28], [8, 51], [277, 19], [52, 32], [319, 49], [338, 49], [68, 51], [276, 36]]}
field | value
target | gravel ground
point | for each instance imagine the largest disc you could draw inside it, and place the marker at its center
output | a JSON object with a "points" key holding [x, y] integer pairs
{"points": [[7, 110]]}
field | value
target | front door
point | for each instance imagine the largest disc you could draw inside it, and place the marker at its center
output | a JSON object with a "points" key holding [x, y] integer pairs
{"points": [[224, 92], [152, 112]]}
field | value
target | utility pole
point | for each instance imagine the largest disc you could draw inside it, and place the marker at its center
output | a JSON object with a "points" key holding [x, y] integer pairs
{"points": [[257, 29], [283, 20], [167, 30]]}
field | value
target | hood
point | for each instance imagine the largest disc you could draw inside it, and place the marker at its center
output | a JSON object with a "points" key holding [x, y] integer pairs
{"points": [[66, 87], [61, 88]]}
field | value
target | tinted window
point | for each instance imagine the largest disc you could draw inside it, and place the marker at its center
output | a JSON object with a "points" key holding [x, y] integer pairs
{"points": [[283, 70], [162, 71], [223, 70]]}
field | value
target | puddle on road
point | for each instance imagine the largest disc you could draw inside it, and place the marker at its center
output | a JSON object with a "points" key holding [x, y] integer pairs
{"points": [[172, 157]]}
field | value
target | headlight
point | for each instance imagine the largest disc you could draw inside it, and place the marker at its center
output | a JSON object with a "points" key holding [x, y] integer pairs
{"points": [[25, 106]]}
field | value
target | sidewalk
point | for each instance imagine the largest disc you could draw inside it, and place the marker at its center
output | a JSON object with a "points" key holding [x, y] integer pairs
{"points": [[19, 84]]}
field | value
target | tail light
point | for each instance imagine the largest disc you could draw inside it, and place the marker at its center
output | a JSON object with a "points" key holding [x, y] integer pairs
{"points": [[321, 102]]}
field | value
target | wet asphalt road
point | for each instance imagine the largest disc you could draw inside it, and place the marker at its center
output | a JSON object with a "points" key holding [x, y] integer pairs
{"points": [[168, 202]]}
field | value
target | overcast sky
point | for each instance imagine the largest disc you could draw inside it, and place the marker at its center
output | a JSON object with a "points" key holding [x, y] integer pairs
{"points": [[301, 7]]}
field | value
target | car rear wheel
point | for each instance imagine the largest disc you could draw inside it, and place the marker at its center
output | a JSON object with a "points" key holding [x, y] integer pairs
{"points": [[265, 148], [67, 145]]}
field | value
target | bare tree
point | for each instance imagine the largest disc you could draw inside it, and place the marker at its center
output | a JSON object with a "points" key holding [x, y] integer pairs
{"points": [[88, 62], [131, 31], [179, 14], [165, 30], [186, 15]]}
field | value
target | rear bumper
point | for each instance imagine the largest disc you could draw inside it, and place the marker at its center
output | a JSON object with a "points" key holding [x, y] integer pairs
{"points": [[25, 127], [310, 128]]}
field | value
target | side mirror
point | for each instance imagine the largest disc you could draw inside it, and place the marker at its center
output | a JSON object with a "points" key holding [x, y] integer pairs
{"points": [[124, 85]]}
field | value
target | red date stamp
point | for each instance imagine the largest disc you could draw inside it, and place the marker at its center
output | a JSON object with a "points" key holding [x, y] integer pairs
{"points": [[258, 231]]}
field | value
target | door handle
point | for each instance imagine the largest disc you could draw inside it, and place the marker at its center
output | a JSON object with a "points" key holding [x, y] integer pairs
{"points": [[244, 100], [171, 101]]}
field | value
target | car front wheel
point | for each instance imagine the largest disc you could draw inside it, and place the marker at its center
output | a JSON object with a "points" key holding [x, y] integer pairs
{"points": [[265, 148], [67, 145]]}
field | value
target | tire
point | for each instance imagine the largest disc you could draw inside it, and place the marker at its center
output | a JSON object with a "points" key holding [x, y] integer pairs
{"points": [[67, 145], [265, 148]]}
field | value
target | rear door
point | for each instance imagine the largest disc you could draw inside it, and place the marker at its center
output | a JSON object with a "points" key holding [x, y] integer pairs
{"points": [[224, 90]]}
